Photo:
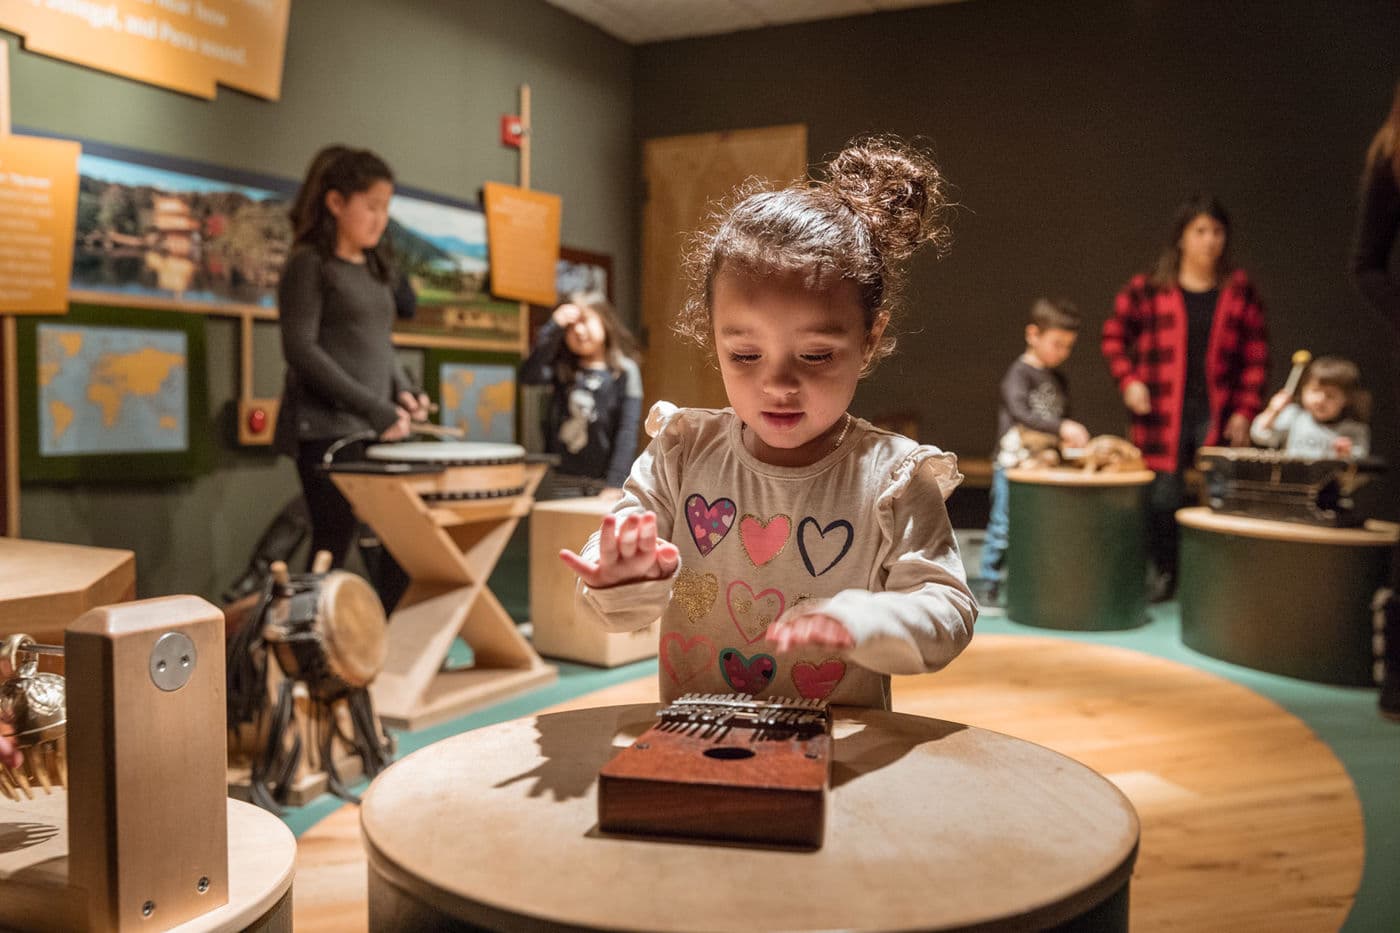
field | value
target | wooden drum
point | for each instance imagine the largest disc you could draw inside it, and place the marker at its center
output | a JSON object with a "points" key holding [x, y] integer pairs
{"points": [[455, 471], [328, 631]]}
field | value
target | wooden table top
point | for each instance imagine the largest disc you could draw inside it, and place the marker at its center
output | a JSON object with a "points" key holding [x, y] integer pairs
{"points": [[1374, 534], [1059, 476], [930, 825], [44, 585], [34, 876]]}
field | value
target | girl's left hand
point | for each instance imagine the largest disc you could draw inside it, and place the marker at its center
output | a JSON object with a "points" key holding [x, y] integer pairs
{"points": [[1237, 431], [1341, 446], [814, 629]]}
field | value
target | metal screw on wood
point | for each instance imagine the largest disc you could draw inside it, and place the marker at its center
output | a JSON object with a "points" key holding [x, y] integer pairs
{"points": [[148, 908], [203, 885]]}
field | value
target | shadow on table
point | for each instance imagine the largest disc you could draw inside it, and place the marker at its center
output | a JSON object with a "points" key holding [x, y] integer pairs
{"points": [[577, 743], [869, 749]]}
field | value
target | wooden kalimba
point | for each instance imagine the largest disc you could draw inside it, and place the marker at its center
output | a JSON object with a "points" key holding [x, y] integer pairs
{"points": [[724, 766]]}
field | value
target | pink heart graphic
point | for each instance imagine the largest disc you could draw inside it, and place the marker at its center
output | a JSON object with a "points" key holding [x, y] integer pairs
{"points": [[685, 658], [753, 612], [764, 540], [708, 523], [747, 675], [816, 681]]}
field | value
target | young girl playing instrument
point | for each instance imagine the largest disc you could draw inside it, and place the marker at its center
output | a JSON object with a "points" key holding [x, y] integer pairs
{"points": [[790, 548]]}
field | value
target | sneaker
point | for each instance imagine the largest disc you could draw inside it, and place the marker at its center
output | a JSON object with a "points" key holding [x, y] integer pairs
{"points": [[1161, 585]]}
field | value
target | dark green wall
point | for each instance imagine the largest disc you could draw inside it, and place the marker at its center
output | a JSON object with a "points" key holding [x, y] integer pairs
{"points": [[422, 82], [1071, 131]]}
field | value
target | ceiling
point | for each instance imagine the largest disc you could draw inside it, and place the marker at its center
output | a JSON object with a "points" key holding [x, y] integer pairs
{"points": [[641, 21]]}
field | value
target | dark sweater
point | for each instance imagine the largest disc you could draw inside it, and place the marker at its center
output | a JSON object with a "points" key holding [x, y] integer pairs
{"points": [[1032, 397], [1377, 230], [337, 322], [591, 423]]}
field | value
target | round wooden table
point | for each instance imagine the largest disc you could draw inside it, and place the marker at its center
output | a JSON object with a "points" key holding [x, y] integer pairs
{"points": [[35, 893], [931, 825], [1076, 555], [1283, 597]]}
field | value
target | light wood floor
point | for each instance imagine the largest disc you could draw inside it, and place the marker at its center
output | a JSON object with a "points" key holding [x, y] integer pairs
{"points": [[1248, 820]]}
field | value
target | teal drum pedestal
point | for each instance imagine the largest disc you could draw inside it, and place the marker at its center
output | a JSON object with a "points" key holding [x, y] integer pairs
{"points": [[1282, 597], [1076, 556]]}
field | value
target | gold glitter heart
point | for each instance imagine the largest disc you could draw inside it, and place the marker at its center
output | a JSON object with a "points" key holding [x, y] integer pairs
{"points": [[696, 592]]}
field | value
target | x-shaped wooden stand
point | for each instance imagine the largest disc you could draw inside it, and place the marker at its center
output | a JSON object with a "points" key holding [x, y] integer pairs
{"points": [[448, 551]]}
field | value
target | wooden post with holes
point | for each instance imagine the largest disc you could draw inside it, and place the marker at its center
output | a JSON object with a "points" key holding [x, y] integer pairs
{"points": [[147, 811]]}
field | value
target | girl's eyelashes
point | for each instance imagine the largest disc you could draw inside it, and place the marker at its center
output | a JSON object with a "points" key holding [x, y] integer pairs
{"points": [[815, 359]]}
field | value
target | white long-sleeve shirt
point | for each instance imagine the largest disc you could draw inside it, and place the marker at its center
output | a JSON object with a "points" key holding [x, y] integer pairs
{"points": [[862, 535], [1301, 435]]}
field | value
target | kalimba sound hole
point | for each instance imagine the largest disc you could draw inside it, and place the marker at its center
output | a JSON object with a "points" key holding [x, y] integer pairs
{"points": [[728, 752]]}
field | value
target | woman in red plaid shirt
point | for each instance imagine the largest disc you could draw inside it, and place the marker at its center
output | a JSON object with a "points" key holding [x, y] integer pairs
{"points": [[1189, 350]]}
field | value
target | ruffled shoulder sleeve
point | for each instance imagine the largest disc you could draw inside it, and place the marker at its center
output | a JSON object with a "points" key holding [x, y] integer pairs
{"points": [[924, 471]]}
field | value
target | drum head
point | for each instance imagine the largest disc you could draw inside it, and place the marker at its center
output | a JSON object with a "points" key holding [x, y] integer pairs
{"points": [[352, 623], [462, 452]]}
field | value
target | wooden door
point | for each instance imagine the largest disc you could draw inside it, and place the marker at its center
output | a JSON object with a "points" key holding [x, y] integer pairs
{"points": [[686, 177]]}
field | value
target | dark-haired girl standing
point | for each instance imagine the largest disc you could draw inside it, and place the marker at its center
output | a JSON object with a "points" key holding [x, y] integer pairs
{"points": [[336, 308]]}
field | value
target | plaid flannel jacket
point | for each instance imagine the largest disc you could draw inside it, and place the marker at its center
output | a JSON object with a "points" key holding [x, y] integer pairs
{"points": [[1145, 340]]}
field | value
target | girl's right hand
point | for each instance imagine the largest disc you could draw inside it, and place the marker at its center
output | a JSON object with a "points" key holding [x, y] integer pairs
{"points": [[564, 315], [1137, 398], [1280, 401], [401, 428], [628, 552]]}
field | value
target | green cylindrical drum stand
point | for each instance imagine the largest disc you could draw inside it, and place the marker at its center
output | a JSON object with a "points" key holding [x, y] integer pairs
{"points": [[1282, 597], [1076, 554]]}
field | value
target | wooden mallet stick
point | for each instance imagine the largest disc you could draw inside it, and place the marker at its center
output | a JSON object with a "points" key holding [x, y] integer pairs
{"points": [[1301, 359]]}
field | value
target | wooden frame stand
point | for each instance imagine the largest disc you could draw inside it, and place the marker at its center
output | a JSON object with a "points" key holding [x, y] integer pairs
{"points": [[448, 551]]}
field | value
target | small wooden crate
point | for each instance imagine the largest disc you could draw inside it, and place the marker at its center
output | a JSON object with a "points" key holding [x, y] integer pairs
{"points": [[567, 523]]}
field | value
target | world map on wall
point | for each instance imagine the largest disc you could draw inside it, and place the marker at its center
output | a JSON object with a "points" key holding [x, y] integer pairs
{"points": [[109, 390], [480, 399]]}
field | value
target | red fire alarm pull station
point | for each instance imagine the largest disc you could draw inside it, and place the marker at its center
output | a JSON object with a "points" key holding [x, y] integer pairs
{"points": [[511, 130]]}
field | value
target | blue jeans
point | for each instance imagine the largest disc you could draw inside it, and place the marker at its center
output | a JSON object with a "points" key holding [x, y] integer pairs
{"points": [[998, 526]]}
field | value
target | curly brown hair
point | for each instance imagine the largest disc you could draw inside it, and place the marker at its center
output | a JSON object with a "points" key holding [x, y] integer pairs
{"points": [[880, 200]]}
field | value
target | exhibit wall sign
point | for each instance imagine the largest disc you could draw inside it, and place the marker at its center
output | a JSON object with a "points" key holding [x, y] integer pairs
{"points": [[185, 45], [38, 207], [523, 234]]}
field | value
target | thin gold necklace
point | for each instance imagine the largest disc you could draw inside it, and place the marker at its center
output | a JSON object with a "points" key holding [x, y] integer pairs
{"points": [[840, 438]]}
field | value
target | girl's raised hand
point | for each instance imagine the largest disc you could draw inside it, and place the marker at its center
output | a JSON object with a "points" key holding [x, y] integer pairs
{"points": [[812, 629], [628, 552]]}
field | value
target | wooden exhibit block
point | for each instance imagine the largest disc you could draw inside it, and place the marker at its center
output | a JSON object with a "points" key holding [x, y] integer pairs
{"points": [[146, 761], [45, 585], [567, 523]]}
